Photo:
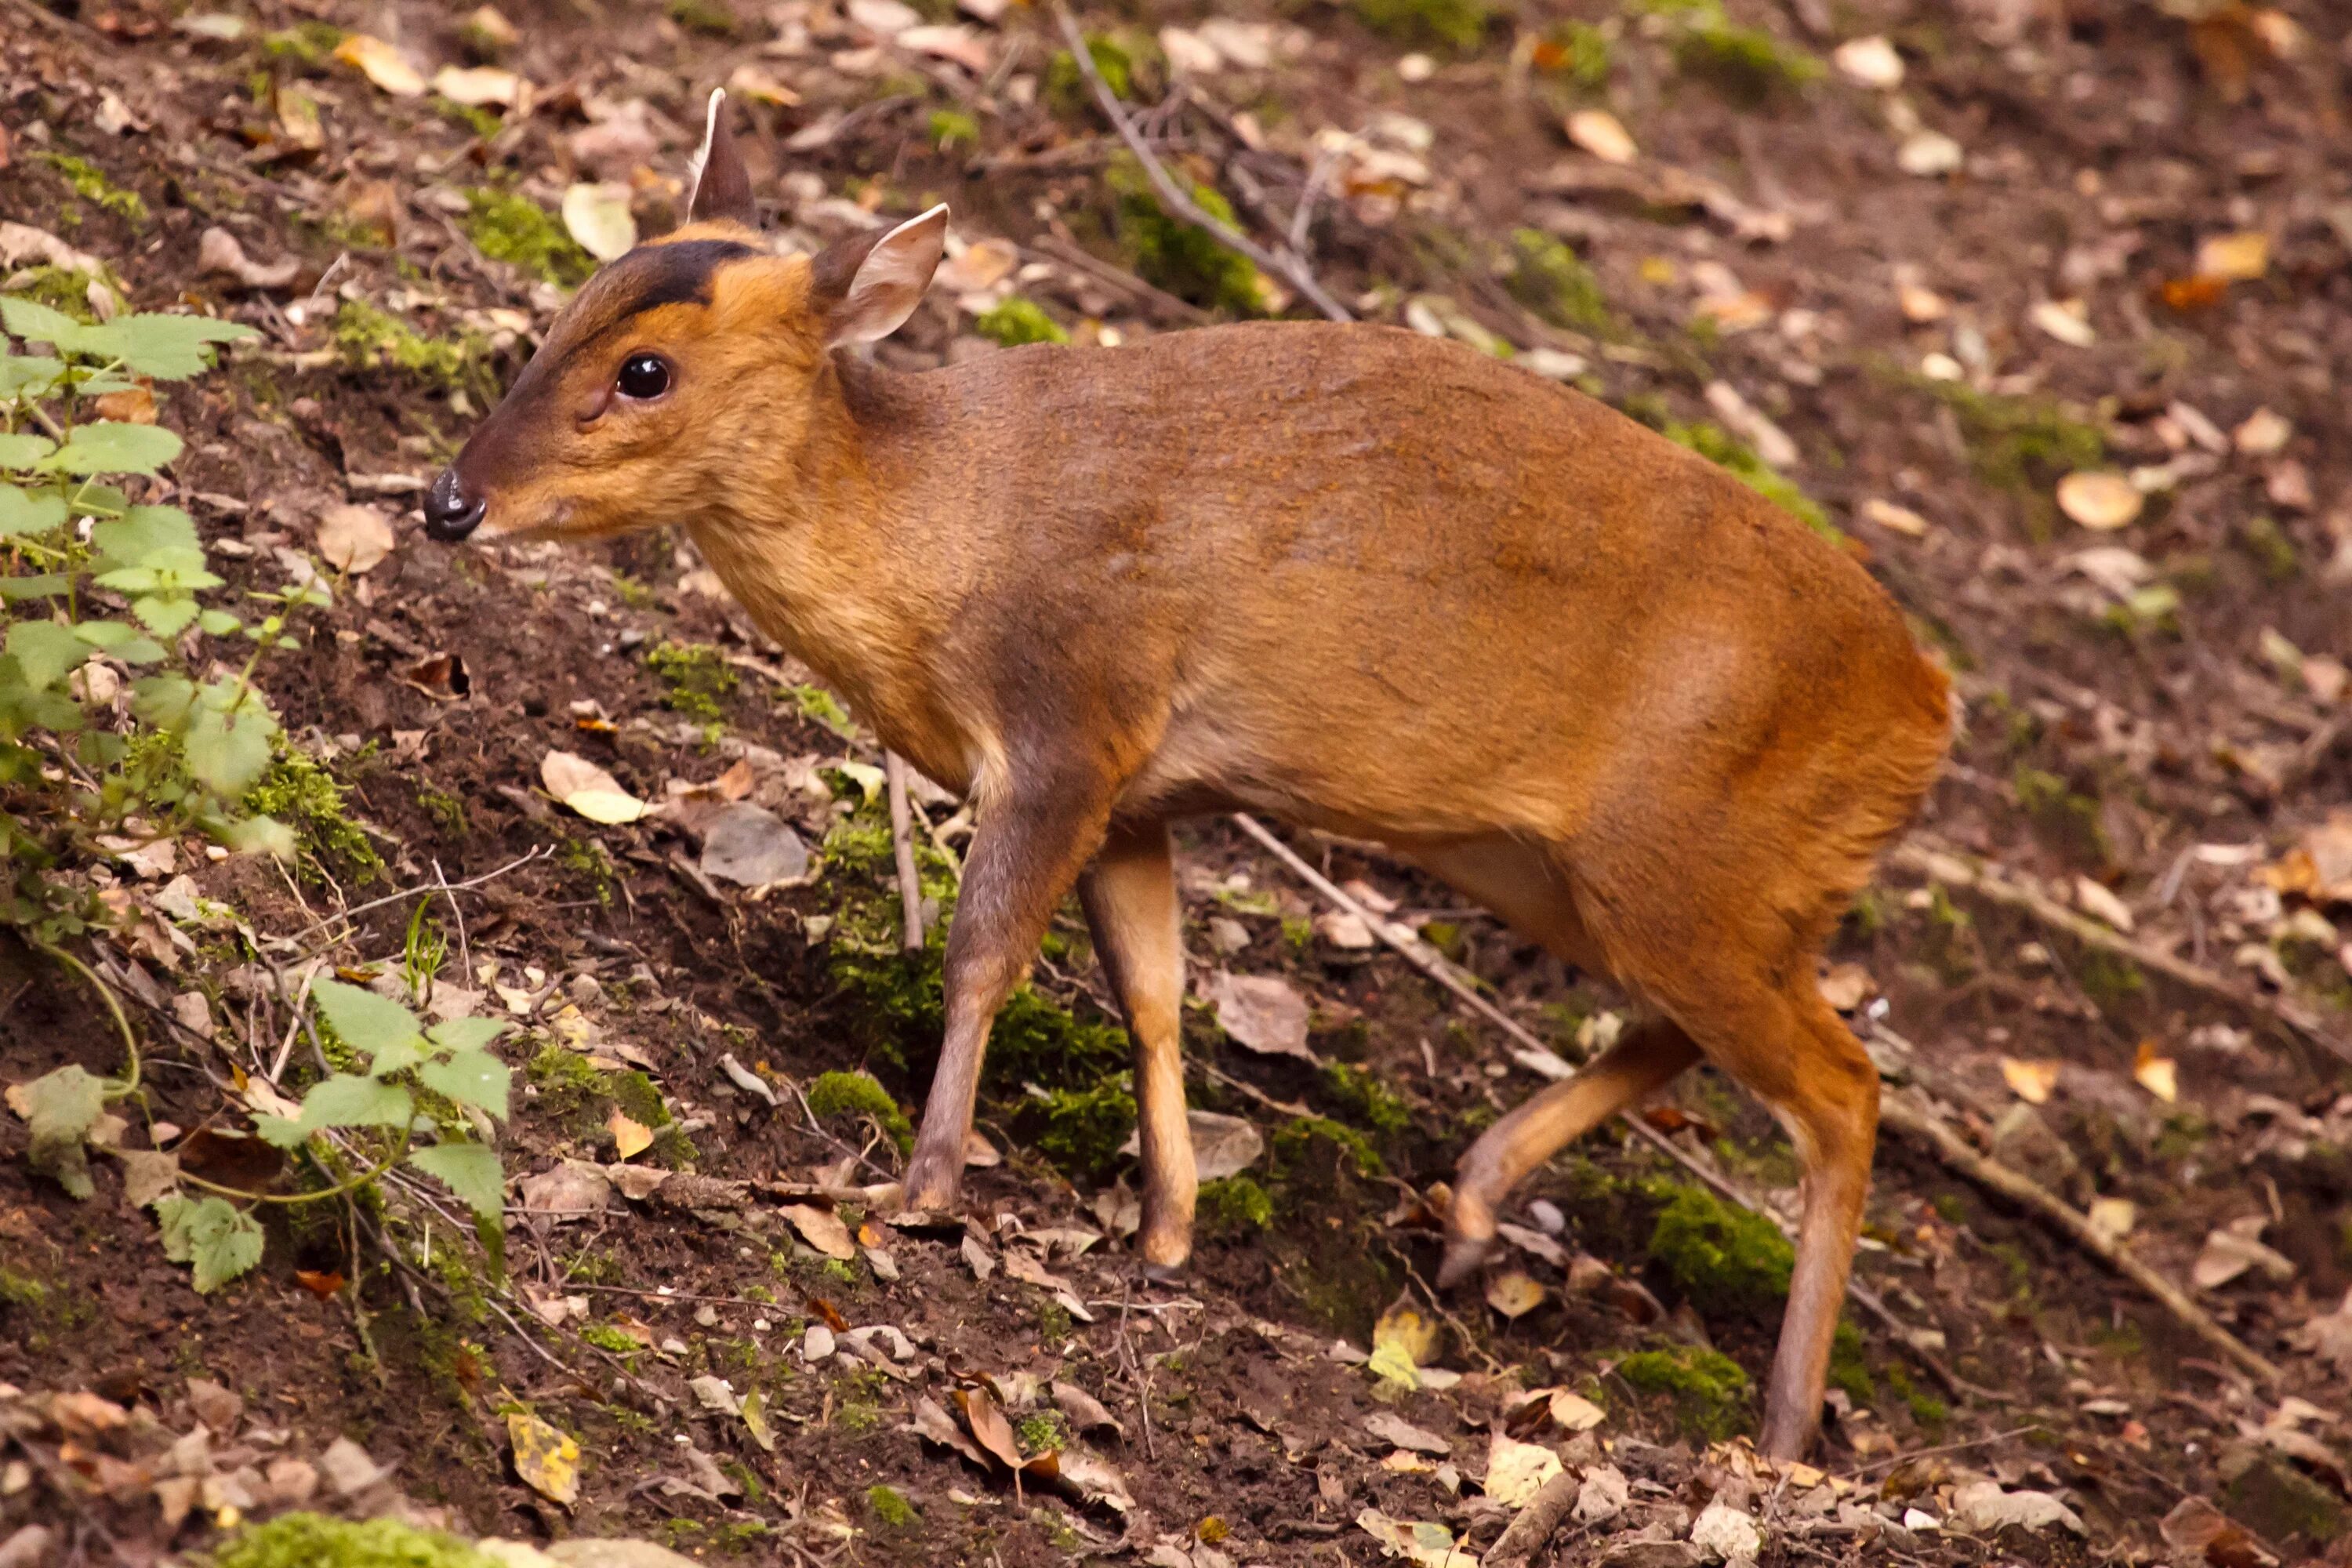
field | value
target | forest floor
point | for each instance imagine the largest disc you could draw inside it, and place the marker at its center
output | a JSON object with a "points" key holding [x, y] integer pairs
{"points": [[1910, 285]]}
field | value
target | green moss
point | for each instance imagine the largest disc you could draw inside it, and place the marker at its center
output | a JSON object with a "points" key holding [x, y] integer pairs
{"points": [[447, 811], [2273, 551], [1719, 446], [1042, 1430], [1365, 1099], [515, 229], [368, 339], [1848, 1369], [1234, 1205], [857, 1097], [1065, 89], [1457, 24], [1085, 1127], [564, 1079], [2016, 444], [21, 1290], [61, 289], [311, 1540], [1017, 321], [1295, 1143], [1723, 1259], [814, 703], [1746, 64], [696, 675], [711, 18], [483, 123], [2067, 817], [586, 861], [1185, 260], [605, 1337], [857, 1416], [1547, 276], [1708, 1390], [2109, 980], [951, 129], [891, 1507], [1577, 51], [90, 183], [309, 44], [306, 798]]}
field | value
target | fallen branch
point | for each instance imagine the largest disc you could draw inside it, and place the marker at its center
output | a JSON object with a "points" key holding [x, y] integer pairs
{"points": [[902, 845], [1899, 1112], [1535, 1522], [1542, 1059], [1177, 201], [1957, 870]]}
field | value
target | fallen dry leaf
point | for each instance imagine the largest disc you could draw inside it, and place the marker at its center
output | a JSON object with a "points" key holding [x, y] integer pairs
{"points": [[2096, 899], [2230, 1249], [1869, 62], [479, 87], [1572, 1412], [1894, 519], [2234, 258], [2111, 1218], [547, 1459], [2030, 1081], [1394, 1429], [2100, 499], [588, 789], [1601, 134], [1514, 1294], [1516, 1471], [2263, 434], [354, 539], [1261, 1012], [380, 64], [2158, 1075], [598, 217], [823, 1229], [630, 1139]]}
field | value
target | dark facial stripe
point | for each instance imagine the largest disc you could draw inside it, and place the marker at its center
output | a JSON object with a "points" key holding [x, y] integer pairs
{"points": [[666, 275]]}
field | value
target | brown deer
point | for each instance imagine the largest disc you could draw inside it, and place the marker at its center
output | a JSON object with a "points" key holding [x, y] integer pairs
{"points": [[1346, 575]]}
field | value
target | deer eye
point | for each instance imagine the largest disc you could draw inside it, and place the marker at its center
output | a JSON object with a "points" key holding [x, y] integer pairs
{"points": [[644, 376]]}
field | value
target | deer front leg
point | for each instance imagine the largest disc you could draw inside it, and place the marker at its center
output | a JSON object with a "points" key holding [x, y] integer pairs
{"points": [[1130, 893], [1025, 854]]}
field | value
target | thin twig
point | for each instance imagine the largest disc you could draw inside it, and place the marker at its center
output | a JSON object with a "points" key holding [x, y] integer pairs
{"points": [[902, 845], [1899, 1112], [1179, 200], [1952, 870], [426, 890], [1893, 1460]]}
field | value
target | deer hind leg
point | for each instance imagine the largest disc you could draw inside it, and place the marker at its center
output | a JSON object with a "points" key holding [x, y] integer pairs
{"points": [[1130, 893], [1525, 886]]}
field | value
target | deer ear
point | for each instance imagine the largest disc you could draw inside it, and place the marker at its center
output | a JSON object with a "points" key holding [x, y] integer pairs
{"points": [[722, 186], [866, 288]]}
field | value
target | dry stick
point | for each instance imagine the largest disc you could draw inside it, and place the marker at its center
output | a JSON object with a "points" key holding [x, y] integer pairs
{"points": [[1434, 965], [1535, 1522], [426, 890], [1899, 1112], [902, 845], [1960, 872], [1179, 200]]}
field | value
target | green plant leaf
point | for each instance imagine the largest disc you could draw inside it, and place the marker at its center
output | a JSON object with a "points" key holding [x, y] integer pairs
{"points": [[29, 512], [219, 622], [46, 584], [25, 450], [61, 1108], [255, 836], [280, 1131], [136, 537], [44, 651], [164, 618], [38, 323], [349, 1100], [469, 1170], [470, 1078], [169, 348], [219, 1239], [369, 1023], [114, 447], [466, 1033], [23, 376], [163, 700], [227, 753]]}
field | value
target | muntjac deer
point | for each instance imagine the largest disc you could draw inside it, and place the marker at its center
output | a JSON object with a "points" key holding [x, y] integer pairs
{"points": [[1346, 575]]}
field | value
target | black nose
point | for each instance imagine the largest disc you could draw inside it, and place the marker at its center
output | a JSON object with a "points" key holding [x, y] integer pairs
{"points": [[449, 512]]}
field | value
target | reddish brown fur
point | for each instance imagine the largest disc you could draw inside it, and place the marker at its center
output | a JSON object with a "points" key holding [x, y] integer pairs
{"points": [[1346, 575]]}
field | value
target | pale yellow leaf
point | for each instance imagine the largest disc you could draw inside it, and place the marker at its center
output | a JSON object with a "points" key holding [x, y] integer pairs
{"points": [[1514, 1294], [1601, 134], [1574, 1412], [547, 1459], [2030, 1081], [1516, 1471], [2161, 1076], [479, 87], [2113, 1218], [380, 64], [588, 789], [353, 539], [630, 1138], [2238, 258], [2100, 499], [598, 217]]}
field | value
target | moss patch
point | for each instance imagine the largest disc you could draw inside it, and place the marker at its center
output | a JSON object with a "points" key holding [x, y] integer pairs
{"points": [[1084, 1128], [1547, 276], [1067, 92], [1708, 1390], [1747, 64], [90, 183], [696, 677], [857, 1096], [890, 1506], [1719, 446], [1234, 1206], [368, 339], [1186, 260], [1723, 1260], [517, 231], [1457, 24], [312, 1540], [1017, 321], [301, 793], [1314, 1140]]}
